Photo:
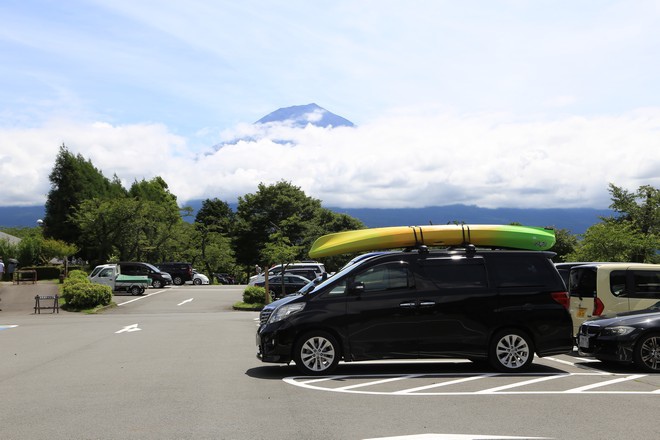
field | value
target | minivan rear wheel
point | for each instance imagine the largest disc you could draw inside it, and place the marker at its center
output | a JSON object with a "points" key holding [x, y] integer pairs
{"points": [[316, 353], [511, 351], [177, 281]]}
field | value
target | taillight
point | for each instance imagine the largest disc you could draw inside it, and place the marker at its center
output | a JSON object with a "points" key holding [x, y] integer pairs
{"points": [[598, 307], [562, 298]]}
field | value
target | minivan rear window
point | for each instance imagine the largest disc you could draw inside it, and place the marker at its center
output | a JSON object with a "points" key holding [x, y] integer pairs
{"points": [[582, 282]]}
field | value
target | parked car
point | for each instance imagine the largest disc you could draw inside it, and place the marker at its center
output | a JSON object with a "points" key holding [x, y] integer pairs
{"points": [[630, 337], [158, 277], [495, 305], [180, 272], [292, 283], [306, 266], [609, 288], [199, 278], [565, 268], [224, 278]]}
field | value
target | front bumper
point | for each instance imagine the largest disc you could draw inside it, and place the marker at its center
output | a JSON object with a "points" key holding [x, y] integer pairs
{"points": [[274, 343], [607, 348]]}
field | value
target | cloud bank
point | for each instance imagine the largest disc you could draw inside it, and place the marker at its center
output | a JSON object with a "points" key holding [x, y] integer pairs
{"points": [[399, 160]]}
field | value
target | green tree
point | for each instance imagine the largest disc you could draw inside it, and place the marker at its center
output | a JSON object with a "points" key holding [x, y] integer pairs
{"points": [[279, 250], [566, 244], [282, 208], [213, 224], [73, 180], [632, 235]]}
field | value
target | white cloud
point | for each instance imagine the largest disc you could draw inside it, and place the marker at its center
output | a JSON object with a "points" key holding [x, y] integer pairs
{"points": [[413, 160]]}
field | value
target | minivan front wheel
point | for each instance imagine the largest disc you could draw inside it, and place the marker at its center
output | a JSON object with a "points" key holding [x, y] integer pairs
{"points": [[511, 351], [316, 353]]}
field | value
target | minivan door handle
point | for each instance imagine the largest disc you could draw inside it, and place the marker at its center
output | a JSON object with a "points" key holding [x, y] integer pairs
{"points": [[408, 305], [426, 303]]}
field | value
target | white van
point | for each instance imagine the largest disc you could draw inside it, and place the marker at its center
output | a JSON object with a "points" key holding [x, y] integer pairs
{"points": [[607, 288]]}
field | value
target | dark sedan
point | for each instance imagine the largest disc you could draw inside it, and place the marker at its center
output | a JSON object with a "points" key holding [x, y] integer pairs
{"points": [[292, 283], [631, 337]]}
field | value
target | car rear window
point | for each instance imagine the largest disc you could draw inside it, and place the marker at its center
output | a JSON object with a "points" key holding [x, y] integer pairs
{"points": [[582, 282]]}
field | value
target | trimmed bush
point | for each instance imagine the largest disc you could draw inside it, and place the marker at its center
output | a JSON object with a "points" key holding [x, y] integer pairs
{"points": [[254, 295], [79, 293]]}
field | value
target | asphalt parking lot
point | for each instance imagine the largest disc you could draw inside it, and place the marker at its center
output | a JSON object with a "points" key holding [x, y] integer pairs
{"points": [[180, 363]]}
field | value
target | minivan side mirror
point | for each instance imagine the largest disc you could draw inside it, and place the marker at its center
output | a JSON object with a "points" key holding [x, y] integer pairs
{"points": [[355, 287]]}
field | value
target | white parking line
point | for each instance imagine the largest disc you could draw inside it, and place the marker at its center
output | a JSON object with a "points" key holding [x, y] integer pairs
{"points": [[602, 384], [318, 384], [378, 382], [442, 384], [141, 297], [520, 384]]}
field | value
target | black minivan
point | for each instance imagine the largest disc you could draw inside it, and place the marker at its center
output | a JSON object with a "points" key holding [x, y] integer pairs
{"points": [[496, 305]]}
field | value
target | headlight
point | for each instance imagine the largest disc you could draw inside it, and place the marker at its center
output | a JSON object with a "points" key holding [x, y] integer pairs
{"points": [[285, 311], [619, 330]]}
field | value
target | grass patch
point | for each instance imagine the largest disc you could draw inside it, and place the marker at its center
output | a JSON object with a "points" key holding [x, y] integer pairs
{"points": [[247, 306]]}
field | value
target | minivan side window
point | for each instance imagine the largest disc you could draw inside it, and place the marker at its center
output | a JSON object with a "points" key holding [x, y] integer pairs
{"points": [[646, 284], [387, 276], [457, 274], [514, 271], [618, 283]]}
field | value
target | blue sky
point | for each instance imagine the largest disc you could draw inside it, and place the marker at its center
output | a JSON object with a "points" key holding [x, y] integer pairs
{"points": [[494, 103]]}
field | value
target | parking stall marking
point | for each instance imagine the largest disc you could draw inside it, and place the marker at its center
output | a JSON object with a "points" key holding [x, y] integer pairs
{"points": [[606, 383], [521, 384], [442, 384], [325, 383]]}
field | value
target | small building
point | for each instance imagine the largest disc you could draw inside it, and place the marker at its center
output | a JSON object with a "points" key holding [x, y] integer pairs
{"points": [[10, 238]]}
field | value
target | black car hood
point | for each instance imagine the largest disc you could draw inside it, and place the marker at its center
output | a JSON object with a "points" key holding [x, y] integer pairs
{"points": [[628, 318]]}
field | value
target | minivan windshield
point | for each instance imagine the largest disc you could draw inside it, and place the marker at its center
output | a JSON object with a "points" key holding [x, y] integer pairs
{"points": [[358, 261], [152, 267]]}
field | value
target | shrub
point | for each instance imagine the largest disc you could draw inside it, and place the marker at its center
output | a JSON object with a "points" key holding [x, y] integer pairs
{"points": [[254, 295], [82, 294], [77, 275]]}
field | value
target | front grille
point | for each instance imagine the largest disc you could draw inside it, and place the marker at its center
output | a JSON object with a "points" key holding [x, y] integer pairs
{"points": [[264, 315], [589, 330]]}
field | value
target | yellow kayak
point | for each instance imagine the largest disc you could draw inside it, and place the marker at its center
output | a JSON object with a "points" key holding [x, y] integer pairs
{"points": [[504, 236]]}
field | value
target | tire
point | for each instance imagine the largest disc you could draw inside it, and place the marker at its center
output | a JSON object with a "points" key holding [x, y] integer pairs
{"points": [[157, 284], [136, 290], [511, 351], [647, 353], [177, 280], [197, 281], [316, 353]]}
